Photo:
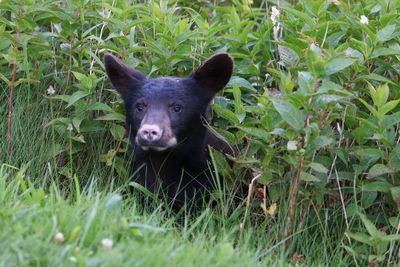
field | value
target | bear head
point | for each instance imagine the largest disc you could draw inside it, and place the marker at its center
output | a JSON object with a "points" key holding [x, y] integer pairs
{"points": [[162, 113]]}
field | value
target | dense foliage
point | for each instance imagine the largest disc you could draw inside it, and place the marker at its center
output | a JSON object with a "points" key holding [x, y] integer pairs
{"points": [[312, 106]]}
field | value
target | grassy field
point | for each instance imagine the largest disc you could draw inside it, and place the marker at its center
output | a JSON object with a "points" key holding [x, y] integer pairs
{"points": [[31, 219], [312, 107]]}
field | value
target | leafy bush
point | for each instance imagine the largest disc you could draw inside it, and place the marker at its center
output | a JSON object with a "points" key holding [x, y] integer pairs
{"points": [[312, 105]]}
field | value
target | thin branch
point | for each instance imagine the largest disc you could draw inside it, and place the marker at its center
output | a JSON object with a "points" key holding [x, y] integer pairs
{"points": [[295, 185], [248, 199], [12, 87], [292, 200], [340, 130]]}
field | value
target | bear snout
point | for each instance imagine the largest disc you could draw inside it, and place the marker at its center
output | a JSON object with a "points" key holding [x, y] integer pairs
{"points": [[150, 132], [153, 137]]}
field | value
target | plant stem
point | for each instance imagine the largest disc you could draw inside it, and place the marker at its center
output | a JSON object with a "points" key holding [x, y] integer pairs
{"points": [[248, 199], [295, 185], [11, 96]]}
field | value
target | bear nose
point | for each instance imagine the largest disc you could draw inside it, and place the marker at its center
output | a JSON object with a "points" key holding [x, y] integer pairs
{"points": [[150, 132]]}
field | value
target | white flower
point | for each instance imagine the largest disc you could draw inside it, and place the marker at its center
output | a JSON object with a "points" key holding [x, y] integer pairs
{"points": [[274, 14], [70, 127], [292, 145], [274, 18], [336, 2], [51, 90], [65, 46], [364, 20], [314, 47], [339, 128], [59, 238], [72, 259], [107, 243]]}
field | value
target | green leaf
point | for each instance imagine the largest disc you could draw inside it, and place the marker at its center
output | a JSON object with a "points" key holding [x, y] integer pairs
{"points": [[370, 226], [256, 132], [286, 83], [289, 113], [220, 163], [376, 186], [374, 77], [226, 114], [321, 141], [91, 126], [239, 109], [302, 16], [112, 117], [387, 107], [4, 79], [384, 52], [370, 108], [79, 76], [361, 237], [368, 198], [378, 170], [306, 82], [386, 33], [117, 132], [373, 153], [242, 83], [380, 95], [89, 83], [99, 106], [318, 167], [338, 64], [76, 121], [346, 176], [75, 97], [389, 238], [266, 177], [394, 222], [288, 56], [304, 176], [390, 120], [79, 138], [395, 191], [353, 53]]}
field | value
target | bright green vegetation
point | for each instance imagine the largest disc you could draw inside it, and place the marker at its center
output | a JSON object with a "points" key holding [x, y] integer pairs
{"points": [[312, 106], [30, 219]]}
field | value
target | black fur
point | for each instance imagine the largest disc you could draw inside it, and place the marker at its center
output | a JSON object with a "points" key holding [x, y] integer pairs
{"points": [[175, 108]]}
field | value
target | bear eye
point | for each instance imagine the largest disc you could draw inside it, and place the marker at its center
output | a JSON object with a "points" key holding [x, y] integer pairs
{"points": [[140, 107], [176, 108]]}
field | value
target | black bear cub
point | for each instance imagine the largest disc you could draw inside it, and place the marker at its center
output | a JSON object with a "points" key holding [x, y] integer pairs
{"points": [[165, 121]]}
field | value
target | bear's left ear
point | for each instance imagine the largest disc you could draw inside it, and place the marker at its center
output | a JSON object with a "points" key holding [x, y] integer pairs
{"points": [[123, 77], [214, 73]]}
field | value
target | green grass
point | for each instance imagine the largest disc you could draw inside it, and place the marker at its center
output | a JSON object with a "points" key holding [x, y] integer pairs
{"points": [[30, 219]]}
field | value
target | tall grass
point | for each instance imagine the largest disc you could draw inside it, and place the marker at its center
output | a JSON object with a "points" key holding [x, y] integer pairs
{"points": [[31, 218]]}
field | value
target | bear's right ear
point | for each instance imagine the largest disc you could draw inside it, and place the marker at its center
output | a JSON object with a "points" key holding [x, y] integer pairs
{"points": [[214, 73], [123, 77]]}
